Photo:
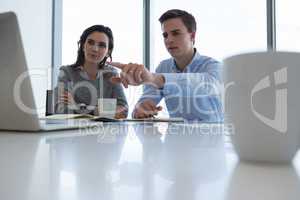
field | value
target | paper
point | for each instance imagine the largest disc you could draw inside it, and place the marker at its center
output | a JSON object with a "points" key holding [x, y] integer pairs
{"points": [[106, 119]]}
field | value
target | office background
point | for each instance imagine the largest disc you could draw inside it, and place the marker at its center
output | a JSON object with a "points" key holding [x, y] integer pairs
{"points": [[51, 28]]}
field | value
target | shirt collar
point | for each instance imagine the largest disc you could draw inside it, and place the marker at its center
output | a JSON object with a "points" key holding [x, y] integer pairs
{"points": [[187, 68], [84, 73]]}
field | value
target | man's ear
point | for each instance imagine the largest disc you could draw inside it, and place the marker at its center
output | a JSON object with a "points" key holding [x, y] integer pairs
{"points": [[193, 35]]}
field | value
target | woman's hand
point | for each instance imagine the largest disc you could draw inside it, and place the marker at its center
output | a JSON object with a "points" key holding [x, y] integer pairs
{"points": [[121, 112], [66, 98]]}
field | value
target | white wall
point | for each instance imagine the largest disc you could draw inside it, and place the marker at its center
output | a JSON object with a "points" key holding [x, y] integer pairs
{"points": [[35, 18]]}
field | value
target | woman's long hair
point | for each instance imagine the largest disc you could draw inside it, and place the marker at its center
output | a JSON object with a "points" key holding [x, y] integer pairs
{"points": [[96, 28]]}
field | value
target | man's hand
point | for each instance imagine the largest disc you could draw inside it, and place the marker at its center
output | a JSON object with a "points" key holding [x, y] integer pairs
{"points": [[132, 74], [136, 74], [146, 109]]}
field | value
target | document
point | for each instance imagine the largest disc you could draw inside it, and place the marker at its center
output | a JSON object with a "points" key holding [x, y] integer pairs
{"points": [[107, 119], [156, 119]]}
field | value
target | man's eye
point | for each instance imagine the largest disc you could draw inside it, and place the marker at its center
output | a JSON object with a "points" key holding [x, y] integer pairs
{"points": [[175, 33], [165, 35]]}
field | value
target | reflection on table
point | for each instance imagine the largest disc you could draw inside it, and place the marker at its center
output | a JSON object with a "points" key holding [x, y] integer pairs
{"points": [[138, 161]]}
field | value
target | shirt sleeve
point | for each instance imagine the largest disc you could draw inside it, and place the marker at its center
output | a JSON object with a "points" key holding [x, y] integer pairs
{"points": [[206, 82], [118, 93], [151, 92]]}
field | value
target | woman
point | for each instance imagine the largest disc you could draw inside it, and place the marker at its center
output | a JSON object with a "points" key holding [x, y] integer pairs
{"points": [[82, 83]]}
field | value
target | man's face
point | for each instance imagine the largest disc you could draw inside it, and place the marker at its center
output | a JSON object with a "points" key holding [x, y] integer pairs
{"points": [[177, 39]]}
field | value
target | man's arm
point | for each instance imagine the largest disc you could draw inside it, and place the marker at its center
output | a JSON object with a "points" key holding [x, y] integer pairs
{"points": [[135, 74], [191, 84], [203, 86], [205, 82]]}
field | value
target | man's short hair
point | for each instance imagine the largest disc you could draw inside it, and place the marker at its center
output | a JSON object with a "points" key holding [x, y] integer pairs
{"points": [[187, 18]]}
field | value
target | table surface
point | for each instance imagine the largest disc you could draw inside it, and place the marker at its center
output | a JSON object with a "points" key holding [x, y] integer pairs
{"points": [[143, 161]]}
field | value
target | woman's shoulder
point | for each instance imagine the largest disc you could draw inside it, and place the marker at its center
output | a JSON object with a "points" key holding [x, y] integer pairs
{"points": [[68, 71], [68, 68]]}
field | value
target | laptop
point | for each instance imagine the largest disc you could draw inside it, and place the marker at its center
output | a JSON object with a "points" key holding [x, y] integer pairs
{"points": [[17, 106]]}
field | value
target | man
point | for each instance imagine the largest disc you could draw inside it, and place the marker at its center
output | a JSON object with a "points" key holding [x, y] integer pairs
{"points": [[188, 81]]}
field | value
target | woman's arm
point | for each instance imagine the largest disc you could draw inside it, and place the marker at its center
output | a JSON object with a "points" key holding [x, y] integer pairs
{"points": [[122, 105]]}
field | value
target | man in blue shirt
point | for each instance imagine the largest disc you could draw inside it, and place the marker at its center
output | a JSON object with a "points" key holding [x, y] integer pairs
{"points": [[189, 82]]}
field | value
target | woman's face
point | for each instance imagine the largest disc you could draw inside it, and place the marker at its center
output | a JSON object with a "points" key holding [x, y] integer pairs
{"points": [[96, 47]]}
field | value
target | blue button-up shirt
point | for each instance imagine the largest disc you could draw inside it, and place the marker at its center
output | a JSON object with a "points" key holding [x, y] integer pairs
{"points": [[194, 93]]}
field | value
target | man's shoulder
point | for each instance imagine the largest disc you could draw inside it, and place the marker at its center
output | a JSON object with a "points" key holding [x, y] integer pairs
{"points": [[206, 59], [204, 63]]}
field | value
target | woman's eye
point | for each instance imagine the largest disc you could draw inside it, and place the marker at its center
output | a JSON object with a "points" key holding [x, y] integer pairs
{"points": [[91, 42], [102, 45]]}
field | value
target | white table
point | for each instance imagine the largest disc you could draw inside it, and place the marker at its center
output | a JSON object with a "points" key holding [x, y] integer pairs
{"points": [[150, 161]]}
